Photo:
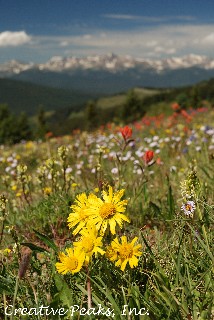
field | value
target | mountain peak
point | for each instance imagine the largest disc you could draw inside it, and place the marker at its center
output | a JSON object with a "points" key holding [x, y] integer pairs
{"points": [[110, 62]]}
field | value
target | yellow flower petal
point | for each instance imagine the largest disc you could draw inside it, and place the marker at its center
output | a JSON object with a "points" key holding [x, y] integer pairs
{"points": [[124, 252], [109, 211], [72, 262]]}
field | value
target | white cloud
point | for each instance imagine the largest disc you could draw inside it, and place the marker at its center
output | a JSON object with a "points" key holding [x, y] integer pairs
{"points": [[121, 16], [9, 38], [148, 18], [209, 39], [140, 42], [160, 49], [64, 43], [87, 36], [179, 39], [155, 42], [151, 43]]}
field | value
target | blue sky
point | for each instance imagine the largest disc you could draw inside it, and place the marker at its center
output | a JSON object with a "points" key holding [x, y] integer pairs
{"points": [[36, 30]]}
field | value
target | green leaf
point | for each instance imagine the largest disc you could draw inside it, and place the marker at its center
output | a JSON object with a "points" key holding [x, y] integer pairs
{"points": [[203, 245], [46, 240], [206, 172], [103, 288], [170, 201], [6, 285], [65, 293], [33, 247], [155, 208]]}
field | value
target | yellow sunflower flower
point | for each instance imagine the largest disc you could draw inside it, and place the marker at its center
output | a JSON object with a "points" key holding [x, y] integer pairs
{"points": [[80, 215], [126, 252], [72, 262], [108, 211], [47, 191], [89, 243], [111, 254]]}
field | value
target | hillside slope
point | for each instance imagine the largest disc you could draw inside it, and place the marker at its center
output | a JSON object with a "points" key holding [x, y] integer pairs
{"points": [[24, 96]]}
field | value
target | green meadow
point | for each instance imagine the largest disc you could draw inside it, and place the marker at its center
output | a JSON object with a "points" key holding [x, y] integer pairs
{"points": [[114, 223]]}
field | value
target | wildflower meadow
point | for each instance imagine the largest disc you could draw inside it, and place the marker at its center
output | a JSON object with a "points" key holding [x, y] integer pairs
{"points": [[115, 223]]}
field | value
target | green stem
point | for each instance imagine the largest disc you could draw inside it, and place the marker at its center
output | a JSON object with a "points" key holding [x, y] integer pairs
{"points": [[64, 178], [5, 304], [89, 290], [2, 230], [14, 297], [35, 296]]}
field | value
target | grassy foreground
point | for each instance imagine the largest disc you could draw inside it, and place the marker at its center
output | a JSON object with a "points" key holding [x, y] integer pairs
{"points": [[114, 224]]}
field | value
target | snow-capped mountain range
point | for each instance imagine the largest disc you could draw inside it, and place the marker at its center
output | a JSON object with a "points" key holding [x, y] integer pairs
{"points": [[109, 62], [108, 74]]}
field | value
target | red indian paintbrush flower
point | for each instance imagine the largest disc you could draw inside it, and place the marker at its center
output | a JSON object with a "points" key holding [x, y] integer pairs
{"points": [[148, 156], [126, 132], [49, 134], [175, 106]]}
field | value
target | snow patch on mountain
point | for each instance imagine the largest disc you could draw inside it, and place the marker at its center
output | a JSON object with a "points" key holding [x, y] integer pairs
{"points": [[109, 62]]}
